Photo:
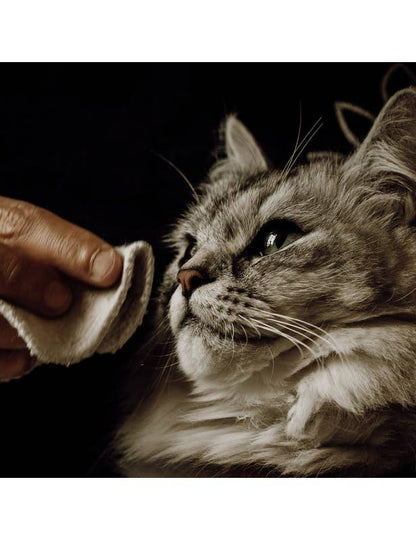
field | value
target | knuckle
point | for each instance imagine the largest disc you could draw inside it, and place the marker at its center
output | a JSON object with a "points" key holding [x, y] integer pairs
{"points": [[12, 273], [84, 259], [80, 254], [15, 219]]}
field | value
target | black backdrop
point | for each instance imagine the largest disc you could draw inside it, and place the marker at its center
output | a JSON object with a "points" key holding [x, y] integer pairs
{"points": [[80, 140]]}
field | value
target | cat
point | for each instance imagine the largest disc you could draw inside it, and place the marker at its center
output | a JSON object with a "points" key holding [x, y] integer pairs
{"points": [[288, 315]]}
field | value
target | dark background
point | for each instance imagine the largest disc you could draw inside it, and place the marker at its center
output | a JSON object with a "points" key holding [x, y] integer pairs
{"points": [[80, 140]]}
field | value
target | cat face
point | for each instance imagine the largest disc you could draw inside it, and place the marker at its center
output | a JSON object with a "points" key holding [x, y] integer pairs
{"points": [[267, 259]]}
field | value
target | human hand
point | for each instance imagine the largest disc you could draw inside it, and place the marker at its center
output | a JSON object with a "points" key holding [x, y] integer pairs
{"points": [[39, 253]]}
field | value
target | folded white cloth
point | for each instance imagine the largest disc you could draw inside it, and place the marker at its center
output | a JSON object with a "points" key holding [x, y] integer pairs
{"points": [[99, 320]]}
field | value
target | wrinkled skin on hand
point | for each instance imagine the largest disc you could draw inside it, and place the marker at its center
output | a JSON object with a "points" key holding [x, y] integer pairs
{"points": [[40, 254]]}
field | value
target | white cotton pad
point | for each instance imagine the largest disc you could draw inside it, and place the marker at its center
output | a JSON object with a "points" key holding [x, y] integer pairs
{"points": [[99, 320]]}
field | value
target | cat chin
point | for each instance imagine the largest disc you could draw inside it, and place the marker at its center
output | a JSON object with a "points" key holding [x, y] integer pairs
{"points": [[177, 310], [196, 359], [209, 359]]}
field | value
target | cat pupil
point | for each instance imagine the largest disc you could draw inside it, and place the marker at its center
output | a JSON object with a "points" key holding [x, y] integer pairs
{"points": [[277, 235], [273, 241]]}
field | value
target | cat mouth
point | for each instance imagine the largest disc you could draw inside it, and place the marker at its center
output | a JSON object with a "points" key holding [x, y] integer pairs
{"points": [[202, 327], [208, 330]]}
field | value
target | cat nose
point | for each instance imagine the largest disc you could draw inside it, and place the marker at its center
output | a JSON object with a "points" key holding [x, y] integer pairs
{"points": [[190, 280]]}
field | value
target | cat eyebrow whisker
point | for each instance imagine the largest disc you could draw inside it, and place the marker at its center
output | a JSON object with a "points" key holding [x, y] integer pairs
{"points": [[297, 140], [316, 127], [181, 174], [301, 147]]}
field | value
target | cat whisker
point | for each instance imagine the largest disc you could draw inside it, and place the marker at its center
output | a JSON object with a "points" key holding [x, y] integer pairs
{"points": [[298, 151], [245, 333], [298, 330], [252, 326], [313, 341], [230, 362], [288, 165], [273, 329], [297, 140], [304, 145], [273, 359], [163, 325], [181, 174], [228, 330], [163, 355], [329, 340], [259, 324], [233, 338], [275, 317], [165, 367], [294, 319]]}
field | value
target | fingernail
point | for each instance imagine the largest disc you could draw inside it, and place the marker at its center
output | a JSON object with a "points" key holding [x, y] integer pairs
{"points": [[102, 264], [57, 296]]}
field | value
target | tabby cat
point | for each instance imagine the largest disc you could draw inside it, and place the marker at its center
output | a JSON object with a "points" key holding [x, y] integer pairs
{"points": [[289, 316]]}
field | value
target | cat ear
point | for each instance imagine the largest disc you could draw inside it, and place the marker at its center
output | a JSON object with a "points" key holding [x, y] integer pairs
{"points": [[398, 76], [241, 148], [355, 113], [390, 146], [387, 158]]}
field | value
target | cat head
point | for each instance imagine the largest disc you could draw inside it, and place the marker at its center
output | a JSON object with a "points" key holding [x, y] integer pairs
{"points": [[264, 258]]}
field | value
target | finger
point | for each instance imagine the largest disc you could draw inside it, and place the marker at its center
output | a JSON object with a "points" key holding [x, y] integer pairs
{"points": [[32, 285], [9, 338], [14, 364], [56, 242]]}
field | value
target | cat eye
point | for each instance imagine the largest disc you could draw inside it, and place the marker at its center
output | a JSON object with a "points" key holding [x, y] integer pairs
{"points": [[190, 250], [275, 236]]}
